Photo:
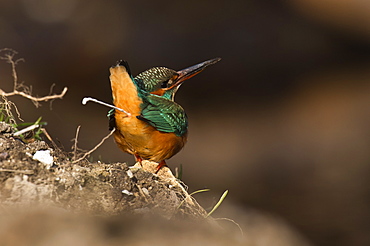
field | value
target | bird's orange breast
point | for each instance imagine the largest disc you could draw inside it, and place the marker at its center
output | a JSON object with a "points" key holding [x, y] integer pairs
{"points": [[135, 136]]}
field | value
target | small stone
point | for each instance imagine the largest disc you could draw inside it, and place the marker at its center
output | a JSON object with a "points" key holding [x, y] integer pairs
{"points": [[130, 174], [44, 157], [126, 192], [145, 191]]}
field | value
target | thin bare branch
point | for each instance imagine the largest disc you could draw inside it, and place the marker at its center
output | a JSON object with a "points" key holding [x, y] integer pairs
{"points": [[17, 171], [49, 138], [6, 109], [75, 143], [27, 129], [95, 148], [87, 99], [232, 221], [19, 88], [9, 58], [32, 98]]}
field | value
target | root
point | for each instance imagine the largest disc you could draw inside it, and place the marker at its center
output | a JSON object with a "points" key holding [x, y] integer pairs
{"points": [[21, 89]]}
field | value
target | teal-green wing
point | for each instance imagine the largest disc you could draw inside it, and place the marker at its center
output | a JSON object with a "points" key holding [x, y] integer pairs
{"points": [[164, 114]]}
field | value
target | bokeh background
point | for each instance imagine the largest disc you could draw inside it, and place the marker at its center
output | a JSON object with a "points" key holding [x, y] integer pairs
{"points": [[282, 121]]}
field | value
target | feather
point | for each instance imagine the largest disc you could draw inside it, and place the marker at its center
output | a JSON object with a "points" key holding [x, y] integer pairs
{"points": [[163, 114]]}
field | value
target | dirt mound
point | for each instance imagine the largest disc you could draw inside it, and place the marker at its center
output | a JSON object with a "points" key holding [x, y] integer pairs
{"points": [[46, 199]]}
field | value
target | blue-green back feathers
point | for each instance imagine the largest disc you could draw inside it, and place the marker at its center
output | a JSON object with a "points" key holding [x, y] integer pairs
{"points": [[163, 114], [160, 112]]}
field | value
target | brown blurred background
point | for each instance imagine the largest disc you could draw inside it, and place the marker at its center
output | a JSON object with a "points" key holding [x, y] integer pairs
{"points": [[282, 121]]}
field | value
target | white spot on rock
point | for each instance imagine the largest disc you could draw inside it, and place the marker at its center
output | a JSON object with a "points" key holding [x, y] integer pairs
{"points": [[145, 191], [44, 157], [130, 174], [126, 192]]}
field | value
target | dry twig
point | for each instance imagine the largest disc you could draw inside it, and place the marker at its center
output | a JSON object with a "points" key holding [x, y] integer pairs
{"points": [[19, 88], [27, 129], [17, 171], [6, 110], [74, 148], [49, 138], [93, 149], [232, 221]]}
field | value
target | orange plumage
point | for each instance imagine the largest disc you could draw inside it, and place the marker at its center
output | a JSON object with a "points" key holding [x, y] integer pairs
{"points": [[151, 125], [136, 136]]}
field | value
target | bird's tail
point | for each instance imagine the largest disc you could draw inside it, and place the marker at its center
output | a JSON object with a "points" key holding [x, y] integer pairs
{"points": [[124, 90]]}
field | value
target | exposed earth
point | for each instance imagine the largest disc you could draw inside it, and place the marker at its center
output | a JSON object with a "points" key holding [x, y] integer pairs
{"points": [[46, 199]]}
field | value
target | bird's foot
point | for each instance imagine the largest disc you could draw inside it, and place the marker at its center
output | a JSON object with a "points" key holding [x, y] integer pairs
{"points": [[139, 159], [160, 165]]}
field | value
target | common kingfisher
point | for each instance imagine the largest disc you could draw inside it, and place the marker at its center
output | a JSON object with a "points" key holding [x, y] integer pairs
{"points": [[152, 125]]}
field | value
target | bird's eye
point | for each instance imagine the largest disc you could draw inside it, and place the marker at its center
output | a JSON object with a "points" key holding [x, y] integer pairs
{"points": [[164, 84]]}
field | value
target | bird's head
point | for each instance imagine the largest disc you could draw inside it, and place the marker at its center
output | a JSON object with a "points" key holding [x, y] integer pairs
{"points": [[165, 82]]}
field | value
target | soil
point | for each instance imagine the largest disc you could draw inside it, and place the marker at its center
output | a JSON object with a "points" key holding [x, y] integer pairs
{"points": [[87, 190], [97, 188], [46, 199]]}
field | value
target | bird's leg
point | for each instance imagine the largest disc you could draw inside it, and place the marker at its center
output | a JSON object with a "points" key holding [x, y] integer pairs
{"points": [[160, 165], [138, 159]]}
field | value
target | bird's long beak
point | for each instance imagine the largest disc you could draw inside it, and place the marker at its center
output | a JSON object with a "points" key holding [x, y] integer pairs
{"points": [[189, 72]]}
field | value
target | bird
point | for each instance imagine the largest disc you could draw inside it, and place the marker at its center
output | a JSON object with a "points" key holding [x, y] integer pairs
{"points": [[151, 125]]}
